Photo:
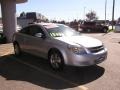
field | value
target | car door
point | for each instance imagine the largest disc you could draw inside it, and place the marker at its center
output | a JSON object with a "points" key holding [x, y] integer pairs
{"points": [[22, 38], [36, 44]]}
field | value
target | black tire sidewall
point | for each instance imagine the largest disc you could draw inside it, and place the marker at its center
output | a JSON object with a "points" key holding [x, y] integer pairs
{"points": [[61, 65]]}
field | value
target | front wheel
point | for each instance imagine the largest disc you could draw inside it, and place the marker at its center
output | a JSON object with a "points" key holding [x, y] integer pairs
{"points": [[56, 60]]}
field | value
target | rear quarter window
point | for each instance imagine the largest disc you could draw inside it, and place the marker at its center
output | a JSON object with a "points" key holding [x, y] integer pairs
{"points": [[24, 30]]}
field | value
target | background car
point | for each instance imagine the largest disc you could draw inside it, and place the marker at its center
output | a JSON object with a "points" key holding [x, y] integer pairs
{"points": [[117, 28], [59, 44], [92, 26]]}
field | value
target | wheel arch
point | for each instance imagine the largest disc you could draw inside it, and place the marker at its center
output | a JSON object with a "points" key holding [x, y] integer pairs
{"points": [[53, 49], [105, 28], [15, 42], [60, 51]]}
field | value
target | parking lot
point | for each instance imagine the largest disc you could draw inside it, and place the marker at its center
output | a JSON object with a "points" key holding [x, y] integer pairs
{"points": [[32, 73]]}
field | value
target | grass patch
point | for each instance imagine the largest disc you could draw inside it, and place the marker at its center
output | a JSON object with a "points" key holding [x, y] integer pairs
{"points": [[110, 30]]}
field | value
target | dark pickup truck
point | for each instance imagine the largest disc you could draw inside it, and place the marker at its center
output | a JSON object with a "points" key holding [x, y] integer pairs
{"points": [[93, 27], [2, 38]]}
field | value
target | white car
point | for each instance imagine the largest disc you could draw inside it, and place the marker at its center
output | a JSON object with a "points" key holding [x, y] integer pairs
{"points": [[117, 28]]}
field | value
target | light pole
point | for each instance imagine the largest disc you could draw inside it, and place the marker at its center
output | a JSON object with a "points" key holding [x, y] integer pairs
{"points": [[113, 13], [105, 10]]}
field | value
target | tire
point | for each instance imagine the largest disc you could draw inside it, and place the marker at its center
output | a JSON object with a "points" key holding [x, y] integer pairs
{"points": [[56, 60], [88, 30], [17, 49], [105, 30]]}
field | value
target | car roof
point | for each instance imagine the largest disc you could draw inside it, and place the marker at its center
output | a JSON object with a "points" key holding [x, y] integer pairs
{"points": [[47, 25]]}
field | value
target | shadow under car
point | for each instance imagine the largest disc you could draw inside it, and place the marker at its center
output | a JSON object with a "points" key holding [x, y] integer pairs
{"points": [[11, 69]]}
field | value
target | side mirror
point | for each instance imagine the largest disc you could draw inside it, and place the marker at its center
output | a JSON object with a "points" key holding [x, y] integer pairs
{"points": [[40, 35]]}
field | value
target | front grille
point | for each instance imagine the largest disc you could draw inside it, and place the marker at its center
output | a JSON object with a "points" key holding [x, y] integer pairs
{"points": [[96, 49]]}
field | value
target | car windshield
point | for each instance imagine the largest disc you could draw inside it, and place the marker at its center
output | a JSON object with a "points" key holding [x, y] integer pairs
{"points": [[61, 31]]}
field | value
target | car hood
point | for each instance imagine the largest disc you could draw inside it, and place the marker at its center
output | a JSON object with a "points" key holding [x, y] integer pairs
{"points": [[82, 40]]}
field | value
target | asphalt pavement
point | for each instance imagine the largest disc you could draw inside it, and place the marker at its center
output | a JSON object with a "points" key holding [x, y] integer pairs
{"points": [[33, 73]]}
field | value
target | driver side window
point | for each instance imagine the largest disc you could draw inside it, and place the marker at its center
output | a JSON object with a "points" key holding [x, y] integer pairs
{"points": [[34, 30]]}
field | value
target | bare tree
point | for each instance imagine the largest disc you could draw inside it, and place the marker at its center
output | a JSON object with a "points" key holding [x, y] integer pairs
{"points": [[91, 16], [23, 15]]}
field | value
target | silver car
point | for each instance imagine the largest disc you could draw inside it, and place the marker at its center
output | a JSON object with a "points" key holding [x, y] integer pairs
{"points": [[60, 45]]}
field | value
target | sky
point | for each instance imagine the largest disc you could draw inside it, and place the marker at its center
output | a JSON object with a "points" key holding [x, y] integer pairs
{"points": [[69, 9]]}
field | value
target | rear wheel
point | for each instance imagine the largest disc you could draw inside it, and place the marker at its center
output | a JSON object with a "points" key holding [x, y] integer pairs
{"points": [[56, 60], [17, 49], [88, 30], [105, 30]]}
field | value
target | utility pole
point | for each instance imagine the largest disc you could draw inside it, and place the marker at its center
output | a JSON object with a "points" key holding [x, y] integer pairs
{"points": [[105, 10], [84, 13], [113, 13]]}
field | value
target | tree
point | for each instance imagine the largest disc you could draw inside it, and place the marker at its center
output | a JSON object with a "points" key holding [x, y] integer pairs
{"points": [[74, 24], [91, 16], [23, 15]]}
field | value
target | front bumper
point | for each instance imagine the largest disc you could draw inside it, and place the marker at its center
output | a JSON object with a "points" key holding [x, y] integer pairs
{"points": [[86, 59]]}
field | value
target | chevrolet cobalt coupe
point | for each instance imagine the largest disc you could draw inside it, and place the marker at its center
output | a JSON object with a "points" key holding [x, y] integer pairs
{"points": [[59, 44]]}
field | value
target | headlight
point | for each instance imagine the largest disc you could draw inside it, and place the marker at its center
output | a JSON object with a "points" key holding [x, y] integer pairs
{"points": [[76, 49]]}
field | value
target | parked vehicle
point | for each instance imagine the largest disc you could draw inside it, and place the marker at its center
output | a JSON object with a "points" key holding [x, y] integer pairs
{"points": [[60, 45], [117, 28], [3, 39], [88, 26]]}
